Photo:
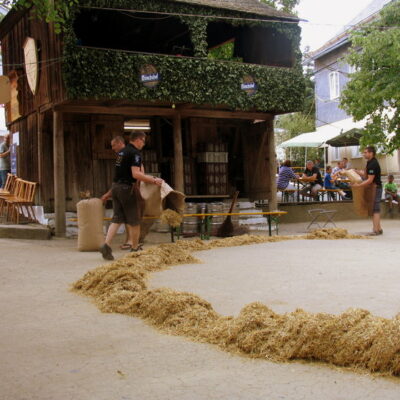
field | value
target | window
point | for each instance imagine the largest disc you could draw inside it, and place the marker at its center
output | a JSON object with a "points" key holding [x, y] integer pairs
{"points": [[249, 44], [133, 31], [355, 152], [334, 88], [336, 153]]}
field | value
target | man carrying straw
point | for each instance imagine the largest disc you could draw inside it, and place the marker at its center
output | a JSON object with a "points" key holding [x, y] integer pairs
{"points": [[125, 191], [372, 181]]}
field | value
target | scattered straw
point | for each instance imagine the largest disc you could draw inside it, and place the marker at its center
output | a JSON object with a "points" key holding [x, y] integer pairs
{"points": [[331, 234], [354, 339], [171, 217]]}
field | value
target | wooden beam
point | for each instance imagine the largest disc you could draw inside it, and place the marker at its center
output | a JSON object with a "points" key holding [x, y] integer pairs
{"points": [[125, 110], [59, 174], [226, 114], [184, 111], [40, 148], [272, 201], [178, 154]]}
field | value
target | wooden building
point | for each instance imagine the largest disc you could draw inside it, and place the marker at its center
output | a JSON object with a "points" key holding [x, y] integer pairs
{"points": [[205, 78]]}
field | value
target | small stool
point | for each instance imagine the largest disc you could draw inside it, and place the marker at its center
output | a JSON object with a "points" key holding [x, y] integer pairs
{"points": [[320, 212]]}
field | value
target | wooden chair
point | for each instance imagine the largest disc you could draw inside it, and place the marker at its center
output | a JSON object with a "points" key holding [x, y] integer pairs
{"points": [[23, 199], [8, 186], [7, 192]]}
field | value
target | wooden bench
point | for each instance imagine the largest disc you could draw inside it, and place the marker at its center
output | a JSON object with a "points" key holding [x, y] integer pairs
{"points": [[333, 193], [287, 194]]}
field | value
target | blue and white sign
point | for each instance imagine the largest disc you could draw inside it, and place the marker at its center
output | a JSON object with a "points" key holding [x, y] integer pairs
{"points": [[149, 76], [249, 85]]}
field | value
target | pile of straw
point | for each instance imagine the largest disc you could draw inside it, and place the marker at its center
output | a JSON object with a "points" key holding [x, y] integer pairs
{"points": [[171, 217], [353, 339], [331, 234]]}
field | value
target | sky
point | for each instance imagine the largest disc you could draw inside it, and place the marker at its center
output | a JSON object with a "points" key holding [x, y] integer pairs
{"points": [[326, 18]]}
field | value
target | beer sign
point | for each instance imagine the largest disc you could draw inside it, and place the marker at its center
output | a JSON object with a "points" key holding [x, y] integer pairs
{"points": [[149, 76], [249, 85]]}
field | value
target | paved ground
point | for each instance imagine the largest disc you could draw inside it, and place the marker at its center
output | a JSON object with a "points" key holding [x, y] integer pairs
{"points": [[55, 345]]}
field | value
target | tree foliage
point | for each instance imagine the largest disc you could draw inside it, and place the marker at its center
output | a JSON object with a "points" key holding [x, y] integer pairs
{"points": [[283, 5], [54, 11], [292, 125], [374, 90]]}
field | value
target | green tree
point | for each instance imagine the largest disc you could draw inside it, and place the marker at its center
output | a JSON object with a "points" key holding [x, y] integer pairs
{"points": [[54, 11], [283, 5], [374, 89], [291, 125]]}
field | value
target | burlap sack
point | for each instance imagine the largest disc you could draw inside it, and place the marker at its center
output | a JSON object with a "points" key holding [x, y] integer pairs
{"points": [[151, 195], [352, 175], [172, 199], [363, 200], [156, 199], [90, 224]]}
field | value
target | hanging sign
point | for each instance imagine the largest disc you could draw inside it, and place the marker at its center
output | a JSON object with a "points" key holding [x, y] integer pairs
{"points": [[249, 85], [149, 76], [31, 63]]}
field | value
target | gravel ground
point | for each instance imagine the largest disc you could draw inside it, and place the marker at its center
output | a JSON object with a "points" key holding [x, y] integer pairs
{"points": [[56, 345]]}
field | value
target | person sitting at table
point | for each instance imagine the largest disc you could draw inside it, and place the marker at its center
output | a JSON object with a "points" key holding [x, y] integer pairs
{"points": [[285, 175], [311, 175], [346, 163], [329, 183], [337, 177], [338, 168]]}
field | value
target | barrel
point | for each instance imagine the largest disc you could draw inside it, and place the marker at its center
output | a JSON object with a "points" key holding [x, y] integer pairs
{"points": [[162, 227], [216, 222], [190, 225]]}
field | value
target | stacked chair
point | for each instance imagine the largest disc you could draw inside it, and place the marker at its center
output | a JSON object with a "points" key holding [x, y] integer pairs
{"points": [[18, 196]]}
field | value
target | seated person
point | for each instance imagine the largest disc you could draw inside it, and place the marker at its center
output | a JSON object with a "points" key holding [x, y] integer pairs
{"points": [[312, 175], [285, 175], [346, 163], [391, 192], [329, 182], [338, 167], [336, 176]]}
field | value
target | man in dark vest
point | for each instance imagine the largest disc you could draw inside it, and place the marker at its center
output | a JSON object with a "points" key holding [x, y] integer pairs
{"points": [[125, 191]]}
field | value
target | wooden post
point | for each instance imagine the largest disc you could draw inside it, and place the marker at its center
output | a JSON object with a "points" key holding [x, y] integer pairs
{"points": [[59, 173], [178, 154], [40, 118], [272, 201]]}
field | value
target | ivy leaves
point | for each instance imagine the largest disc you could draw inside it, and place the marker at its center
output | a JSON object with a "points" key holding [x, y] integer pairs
{"points": [[184, 80], [56, 12]]}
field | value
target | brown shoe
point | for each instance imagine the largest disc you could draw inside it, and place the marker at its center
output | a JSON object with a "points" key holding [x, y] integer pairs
{"points": [[106, 252]]}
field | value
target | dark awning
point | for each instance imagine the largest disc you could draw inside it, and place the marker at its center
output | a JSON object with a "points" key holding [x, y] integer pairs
{"points": [[349, 138]]}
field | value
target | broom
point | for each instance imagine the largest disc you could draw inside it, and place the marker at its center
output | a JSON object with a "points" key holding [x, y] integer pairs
{"points": [[226, 229]]}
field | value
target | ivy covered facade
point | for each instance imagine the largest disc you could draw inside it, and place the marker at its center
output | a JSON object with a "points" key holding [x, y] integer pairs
{"points": [[112, 73], [205, 78]]}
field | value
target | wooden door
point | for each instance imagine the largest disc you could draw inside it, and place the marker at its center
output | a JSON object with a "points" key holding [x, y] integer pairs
{"points": [[258, 163]]}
